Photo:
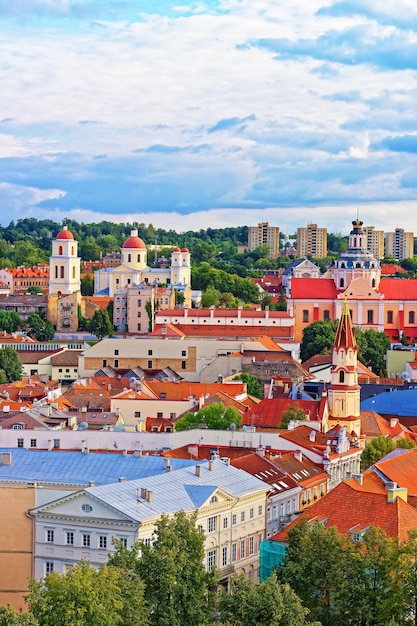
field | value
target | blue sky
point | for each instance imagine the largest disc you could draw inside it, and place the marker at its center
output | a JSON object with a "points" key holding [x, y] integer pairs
{"points": [[219, 113]]}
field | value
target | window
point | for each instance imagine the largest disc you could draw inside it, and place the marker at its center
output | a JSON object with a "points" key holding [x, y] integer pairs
{"points": [[234, 552], [370, 316], [33, 443], [234, 519], [70, 538], [17, 427], [86, 540], [139, 302], [172, 415], [305, 315], [211, 524], [104, 362], [341, 376], [211, 559], [411, 317], [49, 567], [390, 317], [60, 251], [159, 415], [326, 315], [116, 353], [242, 549], [147, 541], [251, 545], [149, 352], [139, 327], [342, 283], [251, 513], [260, 509], [102, 541], [242, 516], [57, 443], [62, 271], [116, 362], [50, 536], [224, 556], [184, 353], [149, 365], [140, 315], [123, 541], [225, 522], [137, 413], [20, 443], [183, 365], [87, 508]]}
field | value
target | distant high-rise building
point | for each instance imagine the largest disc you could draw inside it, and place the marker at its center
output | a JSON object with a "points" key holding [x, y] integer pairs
{"points": [[399, 244], [261, 234], [374, 241], [312, 241]]}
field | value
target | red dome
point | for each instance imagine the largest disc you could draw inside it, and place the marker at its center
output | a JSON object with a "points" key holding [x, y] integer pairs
{"points": [[176, 249], [65, 234], [134, 241], [185, 250]]}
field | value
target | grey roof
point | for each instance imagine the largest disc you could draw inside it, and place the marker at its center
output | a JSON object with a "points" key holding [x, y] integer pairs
{"points": [[175, 491], [76, 468]]}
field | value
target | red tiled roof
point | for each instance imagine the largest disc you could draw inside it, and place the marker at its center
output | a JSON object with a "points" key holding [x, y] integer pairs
{"points": [[265, 470], [268, 413], [223, 331], [401, 469], [398, 289], [231, 313], [313, 288], [388, 269], [345, 508]]}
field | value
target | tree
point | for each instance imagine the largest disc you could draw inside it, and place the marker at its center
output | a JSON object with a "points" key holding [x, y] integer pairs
{"points": [[318, 338], [39, 328], [85, 596], [9, 617], [34, 290], [87, 285], [373, 346], [11, 368], [176, 582], [213, 416], [210, 297], [379, 447], [253, 386], [9, 321], [294, 412], [269, 604], [101, 325]]}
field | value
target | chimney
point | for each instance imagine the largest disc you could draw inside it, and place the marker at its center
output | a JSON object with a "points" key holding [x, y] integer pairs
{"points": [[6, 458], [143, 493], [86, 450], [198, 470], [211, 465], [122, 479], [394, 420], [226, 460], [149, 496], [124, 452], [394, 492], [91, 483], [298, 455], [313, 435], [138, 453]]}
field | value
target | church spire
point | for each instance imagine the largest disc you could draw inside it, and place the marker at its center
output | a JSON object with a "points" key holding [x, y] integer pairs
{"points": [[345, 336]]}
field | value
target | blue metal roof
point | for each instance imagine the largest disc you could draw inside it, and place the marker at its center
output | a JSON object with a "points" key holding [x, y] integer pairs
{"points": [[401, 402], [77, 468]]}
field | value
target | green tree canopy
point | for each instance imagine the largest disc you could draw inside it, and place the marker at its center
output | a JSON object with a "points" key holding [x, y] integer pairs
{"points": [[34, 290], [379, 447], [40, 328], [213, 416], [85, 596], [294, 412], [11, 368], [253, 386], [9, 617], [9, 321], [87, 285], [176, 581], [318, 338], [101, 326]]}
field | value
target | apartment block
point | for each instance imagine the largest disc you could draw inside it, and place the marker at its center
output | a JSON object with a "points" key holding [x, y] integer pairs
{"points": [[263, 234], [312, 241], [399, 244], [374, 241]]}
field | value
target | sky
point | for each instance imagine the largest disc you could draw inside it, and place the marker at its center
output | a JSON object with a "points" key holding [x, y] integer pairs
{"points": [[210, 114]]}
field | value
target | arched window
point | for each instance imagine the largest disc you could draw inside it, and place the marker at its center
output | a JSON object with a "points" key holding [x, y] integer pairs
{"points": [[56, 271], [342, 283], [129, 258], [341, 376], [73, 272], [62, 271], [358, 265], [138, 257], [342, 265], [60, 251], [373, 282], [72, 250], [305, 315]]}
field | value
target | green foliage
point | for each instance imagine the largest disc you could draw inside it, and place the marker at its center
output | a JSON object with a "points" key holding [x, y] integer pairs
{"points": [[39, 328], [34, 290], [269, 604], [9, 617], [373, 346], [11, 368], [253, 386], [87, 285], [176, 582], [101, 325], [149, 310], [85, 596], [379, 447], [318, 338], [9, 321], [294, 412], [213, 416]]}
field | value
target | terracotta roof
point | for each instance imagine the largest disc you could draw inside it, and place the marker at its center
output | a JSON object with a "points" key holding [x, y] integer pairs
{"points": [[401, 468], [347, 508], [388, 269], [267, 471], [313, 288], [223, 331], [64, 234], [218, 312], [184, 389], [268, 413], [374, 425], [398, 289]]}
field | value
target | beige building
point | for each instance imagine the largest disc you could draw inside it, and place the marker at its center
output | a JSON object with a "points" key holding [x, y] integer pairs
{"points": [[264, 234], [399, 244], [374, 241], [63, 311], [312, 241]]}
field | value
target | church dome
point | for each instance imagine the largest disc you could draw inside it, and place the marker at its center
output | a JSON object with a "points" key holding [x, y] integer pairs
{"points": [[176, 249], [65, 234], [134, 241], [185, 250]]}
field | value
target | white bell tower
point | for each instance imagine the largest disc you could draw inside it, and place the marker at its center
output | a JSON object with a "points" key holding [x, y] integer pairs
{"points": [[64, 264]]}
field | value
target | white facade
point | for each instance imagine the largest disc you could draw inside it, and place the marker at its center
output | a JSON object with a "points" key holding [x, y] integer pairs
{"points": [[64, 264]]}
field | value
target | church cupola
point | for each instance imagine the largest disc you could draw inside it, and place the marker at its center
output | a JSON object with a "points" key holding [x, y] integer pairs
{"points": [[64, 264], [357, 261]]}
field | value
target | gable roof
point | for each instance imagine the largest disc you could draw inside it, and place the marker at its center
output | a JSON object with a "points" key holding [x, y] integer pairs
{"points": [[313, 289]]}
